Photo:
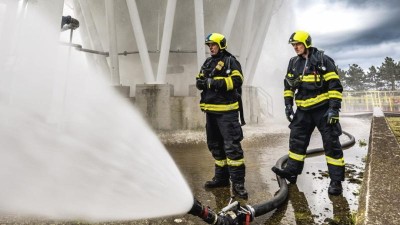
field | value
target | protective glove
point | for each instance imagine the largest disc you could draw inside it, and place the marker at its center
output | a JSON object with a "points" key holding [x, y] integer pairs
{"points": [[332, 116], [289, 112], [201, 84]]}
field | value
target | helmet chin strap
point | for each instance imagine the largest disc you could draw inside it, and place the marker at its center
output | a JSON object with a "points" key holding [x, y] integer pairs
{"points": [[305, 53]]}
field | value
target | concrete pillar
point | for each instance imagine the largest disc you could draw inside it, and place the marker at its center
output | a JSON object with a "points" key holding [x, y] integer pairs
{"points": [[140, 41], [244, 49], [154, 102], [94, 36], [112, 40], [199, 19], [251, 105], [166, 41], [230, 19], [258, 43]]}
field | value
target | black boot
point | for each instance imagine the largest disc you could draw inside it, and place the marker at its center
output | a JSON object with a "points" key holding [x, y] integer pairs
{"points": [[214, 183], [335, 188], [239, 190], [292, 178]]}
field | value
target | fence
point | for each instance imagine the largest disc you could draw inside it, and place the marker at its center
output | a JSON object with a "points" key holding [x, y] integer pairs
{"points": [[365, 101]]}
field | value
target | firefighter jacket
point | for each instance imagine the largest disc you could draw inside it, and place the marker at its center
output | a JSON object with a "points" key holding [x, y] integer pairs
{"points": [[312, 82], [223, 75]]}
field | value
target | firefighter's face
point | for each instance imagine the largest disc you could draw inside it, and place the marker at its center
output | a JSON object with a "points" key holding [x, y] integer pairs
{"points": [[214, 48], [299, 48]]}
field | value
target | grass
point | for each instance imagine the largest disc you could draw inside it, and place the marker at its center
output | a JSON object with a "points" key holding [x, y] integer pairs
{"points": [[394, 124]]}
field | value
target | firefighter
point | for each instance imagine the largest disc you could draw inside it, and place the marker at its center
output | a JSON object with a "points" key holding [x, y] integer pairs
{"points": [[220, 80], [312, 81]]}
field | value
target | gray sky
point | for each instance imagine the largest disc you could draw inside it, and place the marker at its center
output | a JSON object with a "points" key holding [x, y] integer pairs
{"points": [[359, 32]]}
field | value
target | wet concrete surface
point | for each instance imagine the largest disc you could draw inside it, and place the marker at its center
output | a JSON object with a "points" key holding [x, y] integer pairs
{"points": [[308, 201]]}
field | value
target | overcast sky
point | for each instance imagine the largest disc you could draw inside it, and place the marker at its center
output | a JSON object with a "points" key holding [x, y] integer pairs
{"points": [[359, 32]]}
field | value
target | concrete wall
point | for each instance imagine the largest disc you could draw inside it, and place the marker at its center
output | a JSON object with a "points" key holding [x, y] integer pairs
{"points": [[379, 195], [165, 111]]}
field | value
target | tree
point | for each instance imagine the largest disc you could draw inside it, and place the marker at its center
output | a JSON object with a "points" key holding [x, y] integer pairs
{"points": [[374, 82], [342, 77], [355, 78], [389, 73]]}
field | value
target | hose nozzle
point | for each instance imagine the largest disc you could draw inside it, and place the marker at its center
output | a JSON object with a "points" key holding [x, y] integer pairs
{"points": [[232, 214], [67, 22]]}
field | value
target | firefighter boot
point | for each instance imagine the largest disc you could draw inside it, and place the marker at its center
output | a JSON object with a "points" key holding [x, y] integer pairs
{"points": [[292, 178], [214, 183], [335, 188], [239, 190]]}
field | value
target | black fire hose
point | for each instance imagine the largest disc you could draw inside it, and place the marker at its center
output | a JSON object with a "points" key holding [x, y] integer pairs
{"points": [[280, 197], [235, 214]]}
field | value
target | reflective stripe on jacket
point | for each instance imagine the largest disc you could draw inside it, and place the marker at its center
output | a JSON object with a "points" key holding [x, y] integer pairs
{"points": [[227, 77], [317, 87]]}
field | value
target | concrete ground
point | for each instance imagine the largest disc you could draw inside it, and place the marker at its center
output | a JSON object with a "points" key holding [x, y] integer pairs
{"points": [[308, 201]]}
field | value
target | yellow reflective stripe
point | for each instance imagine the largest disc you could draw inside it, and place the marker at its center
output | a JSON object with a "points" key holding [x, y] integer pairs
{"points": [[290, 75], [331, 75], [336, 162], [221, 163], [228, 80], [237, 162], [220, 107], [312, 101], [200, 75], [237, 73], [288, 93], [335, 94], [310, 78], [229, 83], [297, 157]]}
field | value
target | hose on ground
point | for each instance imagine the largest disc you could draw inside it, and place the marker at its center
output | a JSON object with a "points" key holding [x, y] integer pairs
{"points": [[281, 195], [235, 214]]}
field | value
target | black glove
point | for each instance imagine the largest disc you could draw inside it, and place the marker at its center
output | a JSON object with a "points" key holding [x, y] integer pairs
{"points": [[332, 116], [201, 84], [289, 112]]}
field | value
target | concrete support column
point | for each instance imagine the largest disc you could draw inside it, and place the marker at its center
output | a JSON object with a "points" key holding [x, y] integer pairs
{"points": [[258, 42], [230, 19], [246, 41], [154, 102], [112, 40], [140, 41], [166, 41], [199, 19], [251, 105], [94, 36]]}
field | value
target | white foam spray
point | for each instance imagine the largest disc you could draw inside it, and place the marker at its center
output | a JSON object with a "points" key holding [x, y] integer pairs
{"points": [[71, 147]]}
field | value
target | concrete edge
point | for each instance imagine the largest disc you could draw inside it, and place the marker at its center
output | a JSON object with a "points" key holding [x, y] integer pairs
{"points": [[373, 199]]}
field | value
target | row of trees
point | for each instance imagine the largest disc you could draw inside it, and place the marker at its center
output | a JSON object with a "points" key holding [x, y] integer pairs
{"points": [[383, 78]]}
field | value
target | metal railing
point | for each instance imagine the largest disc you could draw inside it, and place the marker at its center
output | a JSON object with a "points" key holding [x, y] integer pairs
{"points": [[365, 101], [268, 100]]}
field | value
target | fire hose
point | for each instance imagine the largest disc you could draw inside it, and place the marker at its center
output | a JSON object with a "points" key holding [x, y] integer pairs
{"points": [[234, 214]]}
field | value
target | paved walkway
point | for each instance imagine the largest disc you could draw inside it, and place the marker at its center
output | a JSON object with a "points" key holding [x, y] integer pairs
{"points": [[380, 192]]}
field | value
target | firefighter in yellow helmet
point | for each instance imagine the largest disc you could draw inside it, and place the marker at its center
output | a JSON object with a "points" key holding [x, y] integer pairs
{"points": [[313, 83], [220, 80]]}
